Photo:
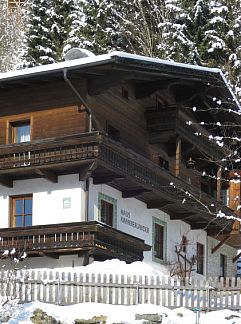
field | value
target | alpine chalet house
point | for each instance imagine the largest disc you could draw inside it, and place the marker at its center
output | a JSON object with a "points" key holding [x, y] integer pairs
{"points": [[104, 157]]}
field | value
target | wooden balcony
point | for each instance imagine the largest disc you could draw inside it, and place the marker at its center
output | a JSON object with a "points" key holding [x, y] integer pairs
{"points": [[106, 161], [96, 239], [163, 126]]}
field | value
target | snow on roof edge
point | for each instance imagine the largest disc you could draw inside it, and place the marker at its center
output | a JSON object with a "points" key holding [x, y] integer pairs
{"points": [[54, 66], [108, 57], [166, 62], [98, 59]]}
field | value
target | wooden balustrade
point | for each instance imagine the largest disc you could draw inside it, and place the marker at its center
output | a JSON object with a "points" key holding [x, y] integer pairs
{"points": [[92, 236], [166, 123]]}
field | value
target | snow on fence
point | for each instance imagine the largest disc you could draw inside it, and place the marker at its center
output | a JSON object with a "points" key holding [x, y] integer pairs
{"points": [[66, 288]]}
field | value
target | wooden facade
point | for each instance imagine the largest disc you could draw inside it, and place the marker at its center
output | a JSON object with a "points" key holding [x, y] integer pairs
{"points": [[143, 137]]}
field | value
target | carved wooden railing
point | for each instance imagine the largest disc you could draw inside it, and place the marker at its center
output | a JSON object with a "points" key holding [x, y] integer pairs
{"points": [[175, 121], [94, 237], [49, 151]]}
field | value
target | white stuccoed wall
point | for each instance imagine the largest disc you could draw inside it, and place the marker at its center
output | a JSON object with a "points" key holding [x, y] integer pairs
{"points": [[214, 259], [143, 216], [47, 200], [48, 209]]}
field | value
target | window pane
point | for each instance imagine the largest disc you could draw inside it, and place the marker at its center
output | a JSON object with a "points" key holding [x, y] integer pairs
{"points": [[28, 220], [22, 133], [159, 241], [18, 207], [107, 212], [18, 221], [28, 206]]}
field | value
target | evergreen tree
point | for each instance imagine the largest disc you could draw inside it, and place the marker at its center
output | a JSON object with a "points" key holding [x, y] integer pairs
{"points": [[61, 18], [176, 43], [39, 44], [216, 51]]}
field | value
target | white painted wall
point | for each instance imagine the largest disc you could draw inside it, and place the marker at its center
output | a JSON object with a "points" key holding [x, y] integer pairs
{"points": [[48, 200], [214, 259], [140, 214]]}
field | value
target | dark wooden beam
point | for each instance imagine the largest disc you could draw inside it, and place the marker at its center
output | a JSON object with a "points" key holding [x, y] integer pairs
{"points": [[51, 255], [49, 175], [145, 89], [100, 84], [224, 240], [105, 179], [155, 204], [199, 224], [86, 171], [184, 215], [236, 257], [133, 192], [6, 182]]}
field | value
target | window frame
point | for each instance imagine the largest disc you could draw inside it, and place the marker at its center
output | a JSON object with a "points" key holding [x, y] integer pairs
{"points": [[12, 217], [109, 200], [13, 126], [158, 222]]}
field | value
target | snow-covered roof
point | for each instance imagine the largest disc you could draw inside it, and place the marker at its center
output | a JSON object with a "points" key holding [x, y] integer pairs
{"points": [[126, 58], [97, 60]]}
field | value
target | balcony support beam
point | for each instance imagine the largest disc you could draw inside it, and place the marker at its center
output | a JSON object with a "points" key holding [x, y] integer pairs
{"points": [[86, 171], [6, 182], [102, 180], [133, 192], [178, 157], [49, 175], [224, 240], [156, 204]]}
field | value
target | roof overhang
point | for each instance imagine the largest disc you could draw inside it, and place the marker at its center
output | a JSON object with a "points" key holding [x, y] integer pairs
{"points": [[123, 62]]}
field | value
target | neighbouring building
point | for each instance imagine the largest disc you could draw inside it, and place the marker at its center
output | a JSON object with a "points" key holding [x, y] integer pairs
{"points": [[103, 157]]}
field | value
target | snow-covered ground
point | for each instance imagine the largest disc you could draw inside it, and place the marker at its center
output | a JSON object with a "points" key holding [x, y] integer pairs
{"points": [[121, 314], [21, 314]]}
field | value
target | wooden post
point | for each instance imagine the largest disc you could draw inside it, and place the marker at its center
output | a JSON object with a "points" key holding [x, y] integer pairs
{"points": [[178, 156], [219, 184]]}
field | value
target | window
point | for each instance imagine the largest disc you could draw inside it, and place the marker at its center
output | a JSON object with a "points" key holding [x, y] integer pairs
{"points": [[107, 207], [106, 212], [159, 240], [124, 93], [200, 258], [113, 132], [21, 211], [223, 265], [225, 196], [20, 131], [164, 164]]}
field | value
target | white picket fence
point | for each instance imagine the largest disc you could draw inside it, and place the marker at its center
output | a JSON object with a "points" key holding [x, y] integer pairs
{"points": [[71, 288]]}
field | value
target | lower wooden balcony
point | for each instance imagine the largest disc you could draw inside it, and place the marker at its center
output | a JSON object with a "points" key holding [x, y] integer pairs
{"points": [[97, 239], [108, 162]]}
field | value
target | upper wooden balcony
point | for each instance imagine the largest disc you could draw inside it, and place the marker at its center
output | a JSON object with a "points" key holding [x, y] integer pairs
{"points": [[94, 154], [166, 123], [96, 239]]}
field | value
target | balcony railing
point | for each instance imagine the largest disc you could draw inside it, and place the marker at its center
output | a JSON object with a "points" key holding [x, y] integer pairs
{"points": [[173, 121], [48, 151], [93, 237], [110, 155]]}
